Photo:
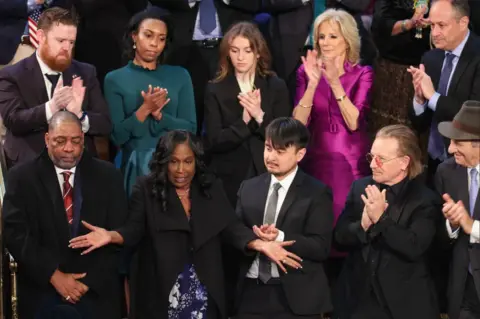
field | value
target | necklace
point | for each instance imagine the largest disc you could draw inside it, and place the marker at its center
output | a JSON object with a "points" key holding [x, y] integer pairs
{"points": [[181, 196]]}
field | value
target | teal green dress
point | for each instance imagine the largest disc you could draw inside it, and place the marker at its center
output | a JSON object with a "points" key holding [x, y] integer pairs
{"points": [[137, 140]]}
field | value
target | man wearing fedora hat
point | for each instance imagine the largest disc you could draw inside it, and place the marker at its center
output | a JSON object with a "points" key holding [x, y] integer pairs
{"points": [[457, 180]]}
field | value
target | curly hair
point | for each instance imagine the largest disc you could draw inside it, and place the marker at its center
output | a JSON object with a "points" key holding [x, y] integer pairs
{"points": [[158, 165], [134, 26]]}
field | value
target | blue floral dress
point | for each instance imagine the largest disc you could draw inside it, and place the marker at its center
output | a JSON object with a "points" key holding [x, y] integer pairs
{"points": [[188, 298]]}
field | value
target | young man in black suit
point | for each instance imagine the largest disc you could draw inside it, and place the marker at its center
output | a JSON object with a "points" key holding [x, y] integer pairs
{"points": [[458, 180], [46, 199], [34, 89], [282, 205], [447, 76], [387, 226]]}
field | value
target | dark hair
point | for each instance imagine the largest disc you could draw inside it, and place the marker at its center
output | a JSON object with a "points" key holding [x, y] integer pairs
{"points": [[56, 15], [161, 157], [258, 44], [284, 132], [134, 25], [63, 117], [461, 7]]}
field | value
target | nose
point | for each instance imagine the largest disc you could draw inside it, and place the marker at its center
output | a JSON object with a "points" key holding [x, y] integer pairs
{"points": [[435, 30], [180, 168], [154, 42], [373, 163], [451, 148], [68, 148]]}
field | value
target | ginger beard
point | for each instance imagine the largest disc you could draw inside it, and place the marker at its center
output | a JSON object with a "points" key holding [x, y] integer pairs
{"points": [[57, 62]]}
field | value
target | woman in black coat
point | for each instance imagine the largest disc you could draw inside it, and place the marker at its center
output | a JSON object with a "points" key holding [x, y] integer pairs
{"points": [[179, 217]]}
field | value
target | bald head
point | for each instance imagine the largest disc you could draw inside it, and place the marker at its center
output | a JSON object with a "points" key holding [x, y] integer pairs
{"points": [[61, 118], [65, 139]]}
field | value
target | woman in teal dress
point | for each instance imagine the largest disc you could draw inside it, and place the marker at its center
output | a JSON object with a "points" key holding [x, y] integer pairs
{"points": [[146, 97]]}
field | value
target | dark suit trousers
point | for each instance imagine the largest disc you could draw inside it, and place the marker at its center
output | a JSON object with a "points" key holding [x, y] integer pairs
{"points": [[471, 303], [370, 308], [265, 301], [202, 65], [55, 307]]}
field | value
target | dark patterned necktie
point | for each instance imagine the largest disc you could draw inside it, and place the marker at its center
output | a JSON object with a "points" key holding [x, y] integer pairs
{"points": [[264, 263], [68, 196], [53, 78], [436, 147], [207, 16]]}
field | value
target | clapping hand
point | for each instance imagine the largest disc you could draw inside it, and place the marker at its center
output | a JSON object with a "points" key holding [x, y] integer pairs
{"points": [[62, 96], [422, 83], [313, 67], [78, 93], [457, 214], [330, 70], [366, 222], [252, 102], [375, 202]]}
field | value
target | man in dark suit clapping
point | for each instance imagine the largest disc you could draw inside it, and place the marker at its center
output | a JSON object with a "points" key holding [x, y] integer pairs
{"points": [[34, 89], [46, 200], [458, 180]]}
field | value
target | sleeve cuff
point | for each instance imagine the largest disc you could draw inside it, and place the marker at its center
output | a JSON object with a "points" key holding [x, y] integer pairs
{"points": [[432, 103], [475, 234], [85, 124], [453, 234], [280, 236], [48, 111], [418, 108]]}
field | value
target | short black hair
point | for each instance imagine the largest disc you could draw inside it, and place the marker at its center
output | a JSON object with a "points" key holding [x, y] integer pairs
{"points": [[284, 132], [133, 27], [63, 117]]}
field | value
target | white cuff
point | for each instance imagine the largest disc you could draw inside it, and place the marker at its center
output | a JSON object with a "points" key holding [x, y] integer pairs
{"points": [[85, 124], [475, 234], [452, 234], [419, 108], [48, 112], [280, 236]]}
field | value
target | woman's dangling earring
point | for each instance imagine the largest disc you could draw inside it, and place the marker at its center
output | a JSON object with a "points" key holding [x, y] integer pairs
{"points": [[134, 46]]}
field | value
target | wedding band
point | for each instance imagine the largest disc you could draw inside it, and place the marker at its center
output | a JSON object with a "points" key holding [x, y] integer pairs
{"points": [[67, 298], [284, 261]]}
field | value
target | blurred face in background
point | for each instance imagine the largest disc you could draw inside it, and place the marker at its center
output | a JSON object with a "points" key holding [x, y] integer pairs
{"points": [[388, 166], [331, 40], [55, 46], [242, 55], [150, 40], [466, 153], [448, 29]]}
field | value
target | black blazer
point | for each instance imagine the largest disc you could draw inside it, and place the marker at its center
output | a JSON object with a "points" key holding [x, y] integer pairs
{"points": [[22, 106], [167, 241], [306, 216], [288, 28], [184, 19], [401, 239], [452, 178], [230, 142], [464, 85], [37, 233]]}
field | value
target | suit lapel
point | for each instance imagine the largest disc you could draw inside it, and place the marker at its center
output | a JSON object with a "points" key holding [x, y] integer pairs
{"points": [[36, 79], [461, 180], [77, 200], [290, 198], [52, 187], [260, 199], [462, 64], [436, 70]]}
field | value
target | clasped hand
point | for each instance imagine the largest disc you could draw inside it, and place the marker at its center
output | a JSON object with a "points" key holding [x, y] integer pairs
{"points": [[154, 100], [68, 97], [375, 205], [422, 84], [457, 214], [69, 286], [252, 105]]}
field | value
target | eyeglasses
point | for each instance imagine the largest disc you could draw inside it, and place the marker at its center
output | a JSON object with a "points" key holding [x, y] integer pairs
{"points": [[378, 160]]}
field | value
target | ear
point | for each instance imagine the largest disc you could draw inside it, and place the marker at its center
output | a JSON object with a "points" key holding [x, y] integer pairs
{"points": [[134, 38], [41, 35], [464, 22], [405, 163], [47, 138], [301, 154]]}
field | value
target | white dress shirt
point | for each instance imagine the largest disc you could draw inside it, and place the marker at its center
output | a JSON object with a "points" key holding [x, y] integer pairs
{"points": [[45, 69], [282, 193], [59, 172], [475, 234], [198, 33]]}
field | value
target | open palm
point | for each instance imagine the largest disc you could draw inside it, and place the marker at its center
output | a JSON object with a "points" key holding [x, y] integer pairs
{"points": [[98, 237]]}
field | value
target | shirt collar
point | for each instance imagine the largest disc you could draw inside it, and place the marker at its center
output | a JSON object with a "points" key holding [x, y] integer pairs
{"points": [[469, 169], [459, 49], [396, 188], [286, 182], [61, 170], [45, 68]]}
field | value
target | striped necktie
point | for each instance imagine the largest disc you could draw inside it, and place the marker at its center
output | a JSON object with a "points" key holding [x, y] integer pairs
{"points": [[68, 196]]}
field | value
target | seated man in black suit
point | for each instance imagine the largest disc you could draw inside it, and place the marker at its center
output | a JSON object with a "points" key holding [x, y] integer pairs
{"points": [[282, 205], [458, 180], [387, 226], [447, 76], [46, 199], [37, 87]]}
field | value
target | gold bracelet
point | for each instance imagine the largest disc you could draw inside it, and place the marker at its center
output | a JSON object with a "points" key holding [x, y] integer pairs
{"points": [[304, 106], [340, 99]]}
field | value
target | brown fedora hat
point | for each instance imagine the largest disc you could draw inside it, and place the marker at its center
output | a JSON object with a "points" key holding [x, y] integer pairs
{"points": [[465, 125]]}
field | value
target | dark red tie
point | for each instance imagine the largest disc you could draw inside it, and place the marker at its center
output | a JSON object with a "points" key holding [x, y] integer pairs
{"points": [[68, 196]]}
